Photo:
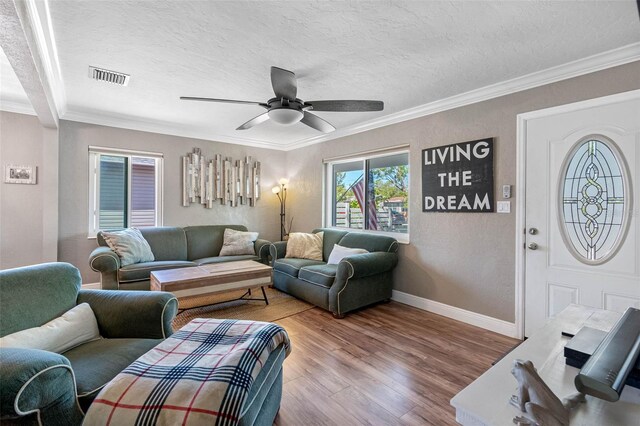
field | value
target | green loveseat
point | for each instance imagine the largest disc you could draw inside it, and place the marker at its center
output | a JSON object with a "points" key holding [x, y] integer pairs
{"points": [[172, 248], [357, 281], [41, 387]]}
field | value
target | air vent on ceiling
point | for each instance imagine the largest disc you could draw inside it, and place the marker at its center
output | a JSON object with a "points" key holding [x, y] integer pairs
{"points": [[108, 76]]}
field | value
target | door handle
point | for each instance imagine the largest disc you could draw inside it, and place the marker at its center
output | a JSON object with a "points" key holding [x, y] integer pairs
{"points": [[533, 246]]}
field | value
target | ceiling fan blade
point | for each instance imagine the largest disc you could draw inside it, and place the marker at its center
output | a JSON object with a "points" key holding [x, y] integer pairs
{"points": [[254, 121], [229, 101], [316, 122], [345, 106], [284, 83]]}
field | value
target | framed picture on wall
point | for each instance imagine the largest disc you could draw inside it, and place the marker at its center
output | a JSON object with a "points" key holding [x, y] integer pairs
{"points": [[20, 174]]}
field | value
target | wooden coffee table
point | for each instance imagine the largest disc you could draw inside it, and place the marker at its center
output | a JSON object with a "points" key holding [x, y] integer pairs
{"points": [[197, 281]]}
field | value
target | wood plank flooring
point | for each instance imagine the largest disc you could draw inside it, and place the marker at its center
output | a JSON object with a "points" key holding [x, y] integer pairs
{"points": [[390, 364]]}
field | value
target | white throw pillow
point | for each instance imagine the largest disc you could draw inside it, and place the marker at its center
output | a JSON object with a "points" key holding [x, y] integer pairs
{"points": [[305, 246], [340, 252], [75, 327], [129, 245], [238, 242]]}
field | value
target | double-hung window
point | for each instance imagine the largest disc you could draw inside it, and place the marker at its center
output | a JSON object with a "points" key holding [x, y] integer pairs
{"points": [[125, 189], [369, 193]]}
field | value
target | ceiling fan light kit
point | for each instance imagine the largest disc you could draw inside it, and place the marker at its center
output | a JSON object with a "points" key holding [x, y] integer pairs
{"points": [[286, 109], [285, 116]]}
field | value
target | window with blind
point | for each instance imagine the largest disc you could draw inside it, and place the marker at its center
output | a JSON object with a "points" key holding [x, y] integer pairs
{"points": [[125, 190]]}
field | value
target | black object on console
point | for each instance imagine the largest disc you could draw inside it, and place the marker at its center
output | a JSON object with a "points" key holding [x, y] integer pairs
{"points": [[605, 373]]}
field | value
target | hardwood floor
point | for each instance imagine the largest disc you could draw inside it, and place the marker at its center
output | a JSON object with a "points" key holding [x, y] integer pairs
{"points": [[390, 364]]}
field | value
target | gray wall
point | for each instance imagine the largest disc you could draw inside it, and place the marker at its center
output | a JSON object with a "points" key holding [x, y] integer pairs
{"points": [[28, 213], [75, 139], [465, 260]]}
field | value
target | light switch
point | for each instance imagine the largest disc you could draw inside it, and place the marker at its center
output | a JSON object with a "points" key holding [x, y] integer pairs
{"points": [[504, 206]]}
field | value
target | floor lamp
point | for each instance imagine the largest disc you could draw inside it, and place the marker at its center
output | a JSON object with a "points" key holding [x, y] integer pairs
{"points": [[281, 192]]}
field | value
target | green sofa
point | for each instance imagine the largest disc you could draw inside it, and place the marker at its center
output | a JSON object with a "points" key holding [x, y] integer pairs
{"points": [[172, 248], [42, 387], [355, 282]]}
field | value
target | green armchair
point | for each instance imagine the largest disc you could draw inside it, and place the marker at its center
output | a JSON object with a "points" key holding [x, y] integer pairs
{"points": [[49, 388]]}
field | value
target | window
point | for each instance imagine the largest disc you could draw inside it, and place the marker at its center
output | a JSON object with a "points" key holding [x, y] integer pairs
{"points": [[125, 189], [594, 200], [369, 193]]}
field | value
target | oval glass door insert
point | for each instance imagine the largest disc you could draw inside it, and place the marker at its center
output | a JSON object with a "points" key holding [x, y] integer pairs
{"points": [[594, 197]]}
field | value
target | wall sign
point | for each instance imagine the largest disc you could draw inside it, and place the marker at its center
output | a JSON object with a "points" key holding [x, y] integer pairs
{"points": [[458, 177]]}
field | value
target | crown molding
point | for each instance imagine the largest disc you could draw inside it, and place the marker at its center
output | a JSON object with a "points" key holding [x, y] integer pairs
{"points": [[612, 58], [16, 106], [40, 20], [126, 122]]}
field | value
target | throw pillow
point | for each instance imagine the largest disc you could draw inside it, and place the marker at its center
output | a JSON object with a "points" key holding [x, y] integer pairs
{"points": [[305, 246], [340, 252], [129, 245], [75, 327], [238, 242]]}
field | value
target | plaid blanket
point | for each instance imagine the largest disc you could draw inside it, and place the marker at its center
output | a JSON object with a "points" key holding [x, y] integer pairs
{"points": [[199, 375]]}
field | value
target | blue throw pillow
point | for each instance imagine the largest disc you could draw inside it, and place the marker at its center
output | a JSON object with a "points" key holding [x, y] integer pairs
{"points": [[129, 245]]}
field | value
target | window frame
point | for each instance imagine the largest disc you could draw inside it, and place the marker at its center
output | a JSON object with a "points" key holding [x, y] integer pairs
{"points": [[94, 183], [328, 189]]}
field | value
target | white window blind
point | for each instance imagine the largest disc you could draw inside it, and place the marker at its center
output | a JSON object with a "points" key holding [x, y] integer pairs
{"points": [[125, 189]]}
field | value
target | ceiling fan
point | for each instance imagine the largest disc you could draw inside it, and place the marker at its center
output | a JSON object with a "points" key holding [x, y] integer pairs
{"points": [[287, 109]]}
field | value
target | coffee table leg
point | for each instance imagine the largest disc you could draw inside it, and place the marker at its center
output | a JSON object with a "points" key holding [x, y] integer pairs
{"points": [[264, 295]]}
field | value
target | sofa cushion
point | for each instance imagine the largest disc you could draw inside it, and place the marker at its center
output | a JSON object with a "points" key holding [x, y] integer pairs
{"points": [[23, 290], [339, 252], [142, 271], [237, 243], [369, 242], [206, 241], [331, 237], [291, 266], [73, 328], [304, 246], [129, 245], [167, 242], [96, 363], [322, 275], [222, 259]]}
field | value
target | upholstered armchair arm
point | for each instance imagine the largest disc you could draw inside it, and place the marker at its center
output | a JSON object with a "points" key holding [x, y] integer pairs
{"points": [[262, 250], [366, 264], [360, 280], [38, 381], [103, 259], [277, 250], [132, 314], [107, 262]]}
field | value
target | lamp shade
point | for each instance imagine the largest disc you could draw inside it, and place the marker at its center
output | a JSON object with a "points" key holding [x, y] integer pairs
{"points": [[283, 181], [285, 116], [275, 189]]}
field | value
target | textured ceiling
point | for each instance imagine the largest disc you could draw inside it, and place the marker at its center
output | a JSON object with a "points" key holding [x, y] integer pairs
{"points": [[11, 92], [404, 53]]}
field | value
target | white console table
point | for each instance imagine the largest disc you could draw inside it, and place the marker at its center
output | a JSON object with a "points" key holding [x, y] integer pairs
{"points": [[486, 400]]}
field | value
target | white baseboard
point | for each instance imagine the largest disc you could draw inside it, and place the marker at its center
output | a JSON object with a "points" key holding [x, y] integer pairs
{"points": [[489, 323], [91, 286]]}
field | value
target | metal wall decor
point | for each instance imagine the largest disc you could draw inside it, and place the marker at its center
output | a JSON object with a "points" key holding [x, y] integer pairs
{"points": [[206, 181]]}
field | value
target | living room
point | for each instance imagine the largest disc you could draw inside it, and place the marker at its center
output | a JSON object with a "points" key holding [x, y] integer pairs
{"points": [[447, 73]]}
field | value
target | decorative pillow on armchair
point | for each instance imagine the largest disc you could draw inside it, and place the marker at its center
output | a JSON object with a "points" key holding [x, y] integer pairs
{"points": [[238, 242], [129, 245], [75, 327], [305, 246]]}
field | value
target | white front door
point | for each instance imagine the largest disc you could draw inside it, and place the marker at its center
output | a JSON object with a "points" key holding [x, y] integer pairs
{"points": [[582, 202]]}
